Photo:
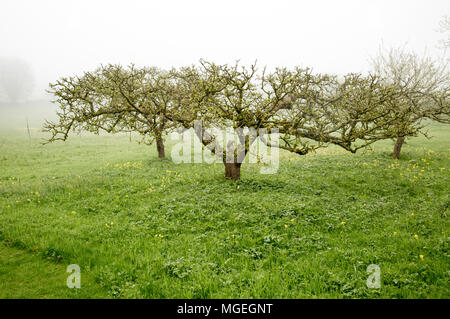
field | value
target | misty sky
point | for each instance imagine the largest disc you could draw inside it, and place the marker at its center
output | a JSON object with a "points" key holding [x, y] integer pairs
{"points": [[61, 38]]}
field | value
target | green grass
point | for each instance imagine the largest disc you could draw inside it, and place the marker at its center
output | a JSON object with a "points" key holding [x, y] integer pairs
{"points": [[24, 275], [141, 227]]}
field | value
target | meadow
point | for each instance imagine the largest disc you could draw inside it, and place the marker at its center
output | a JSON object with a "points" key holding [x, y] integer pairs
{"points": [[142, 227]]}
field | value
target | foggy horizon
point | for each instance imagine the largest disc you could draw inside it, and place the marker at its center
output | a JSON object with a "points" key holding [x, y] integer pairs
{"points": [[63, 39]]}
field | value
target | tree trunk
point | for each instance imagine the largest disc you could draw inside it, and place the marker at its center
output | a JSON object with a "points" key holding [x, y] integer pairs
{"points": [[160, 147], [233, 171], [398, 146]]}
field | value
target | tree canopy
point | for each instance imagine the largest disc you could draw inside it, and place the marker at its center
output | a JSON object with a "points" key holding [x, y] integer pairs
{"points": [[114, 99], [16, 79], [307, 110]]}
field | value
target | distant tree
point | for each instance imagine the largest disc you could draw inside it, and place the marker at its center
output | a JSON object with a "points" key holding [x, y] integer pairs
{"points": [[16, 79], [423, 86], [444, 27], [114, 99]]}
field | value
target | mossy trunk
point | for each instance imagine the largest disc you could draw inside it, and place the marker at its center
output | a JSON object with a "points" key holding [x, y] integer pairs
{"points": [[398, 146], [233, 171], [160, 147]]}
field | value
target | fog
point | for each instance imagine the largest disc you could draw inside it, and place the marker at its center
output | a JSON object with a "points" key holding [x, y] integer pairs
{"points": [[59, 38]]}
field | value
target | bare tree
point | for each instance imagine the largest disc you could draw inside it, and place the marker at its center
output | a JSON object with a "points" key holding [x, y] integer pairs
{"points": [[114, 99], [423, 86], [16, 79]]}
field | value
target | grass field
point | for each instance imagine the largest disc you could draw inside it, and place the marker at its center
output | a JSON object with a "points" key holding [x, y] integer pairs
{"points": [[140, 227]]}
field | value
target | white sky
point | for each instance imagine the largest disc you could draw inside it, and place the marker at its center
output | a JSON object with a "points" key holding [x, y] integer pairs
{"points": [[61, 38]]}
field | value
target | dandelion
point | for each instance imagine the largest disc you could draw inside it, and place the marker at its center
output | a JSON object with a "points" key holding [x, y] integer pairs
{"points": [[74, 212], [342, 223], [292, 220], [412, 214], [285, 226], [416, 236], [395, 233], [421, 257]]}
